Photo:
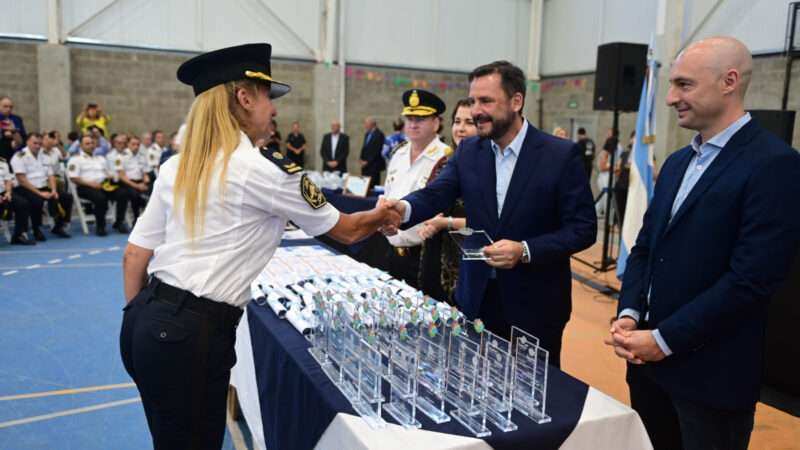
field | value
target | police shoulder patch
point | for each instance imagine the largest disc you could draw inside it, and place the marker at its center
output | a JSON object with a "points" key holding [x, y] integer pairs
{"points": [[277, 158], [311, 193], [72, 167]]}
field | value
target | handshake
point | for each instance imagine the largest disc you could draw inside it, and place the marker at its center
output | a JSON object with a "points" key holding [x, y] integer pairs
{"points": [[392, 212]]}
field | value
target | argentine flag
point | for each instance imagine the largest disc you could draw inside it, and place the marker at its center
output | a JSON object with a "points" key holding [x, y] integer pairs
{"points": [[640, 188]]}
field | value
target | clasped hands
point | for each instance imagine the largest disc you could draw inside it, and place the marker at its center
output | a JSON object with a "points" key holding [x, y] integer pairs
{"points": [[632, 345]]}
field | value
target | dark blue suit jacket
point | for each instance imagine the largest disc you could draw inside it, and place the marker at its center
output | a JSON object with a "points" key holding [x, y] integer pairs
{"points": [[715, 265], [548, 204]]}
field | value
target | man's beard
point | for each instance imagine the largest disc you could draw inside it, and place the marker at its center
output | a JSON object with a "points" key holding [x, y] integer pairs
{"points": [[499, 127]]}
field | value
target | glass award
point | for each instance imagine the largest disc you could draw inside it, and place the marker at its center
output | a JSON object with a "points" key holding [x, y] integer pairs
{"points": [[471, 243], [529, 375], [431, 375], [361, 378], [462, 385], [402, 405], [319, 334], [465, 338], [499, 362]]}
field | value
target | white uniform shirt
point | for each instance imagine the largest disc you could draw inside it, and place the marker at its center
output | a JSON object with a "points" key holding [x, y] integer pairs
{"points": [[52, 159], [24, 162], [5, 175], [240, 234], [114, 160], [88, 168], [154, 157], [404, 177], [134, 165]]}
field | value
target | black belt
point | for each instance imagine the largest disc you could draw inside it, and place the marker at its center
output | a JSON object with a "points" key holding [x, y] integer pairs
{"points": [[182, 298]]}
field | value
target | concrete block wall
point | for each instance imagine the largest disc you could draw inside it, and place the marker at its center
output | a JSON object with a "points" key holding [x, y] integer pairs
{"points": [[18, 80], [766, 88]]}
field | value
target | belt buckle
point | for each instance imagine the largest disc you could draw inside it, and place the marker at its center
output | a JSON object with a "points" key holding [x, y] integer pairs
{"points": [[401, 251]]}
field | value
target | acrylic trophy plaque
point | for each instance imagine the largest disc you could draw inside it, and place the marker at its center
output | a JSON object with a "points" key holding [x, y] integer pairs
{"points": [[471, 243], [499, 362], [431, 375], [465, 339], [402, 405], [462, 385], [529, 376]]}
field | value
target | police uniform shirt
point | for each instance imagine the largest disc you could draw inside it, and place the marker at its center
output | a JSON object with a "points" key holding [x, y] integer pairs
{"points": [[24, 162], [133, 165], [52, 159], [240, 234], [89, 168], [404, 177], [114, 163], [154, 157], [5, 174]]}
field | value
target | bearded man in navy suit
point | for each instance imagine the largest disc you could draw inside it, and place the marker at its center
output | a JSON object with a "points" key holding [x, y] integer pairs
{"points": [[529, 191]]}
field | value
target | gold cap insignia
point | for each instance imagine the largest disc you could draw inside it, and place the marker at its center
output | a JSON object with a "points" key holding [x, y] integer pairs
{"points": [[118, 162], [311, 193], [277, 155], [413, 100]]}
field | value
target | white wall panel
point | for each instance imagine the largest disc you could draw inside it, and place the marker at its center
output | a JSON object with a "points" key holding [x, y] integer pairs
{"points": [[23, 17], [760, 24], [443, 34]]}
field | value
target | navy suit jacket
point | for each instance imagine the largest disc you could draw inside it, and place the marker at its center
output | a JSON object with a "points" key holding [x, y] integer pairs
{"points": [[548, 205], [714, 266]]}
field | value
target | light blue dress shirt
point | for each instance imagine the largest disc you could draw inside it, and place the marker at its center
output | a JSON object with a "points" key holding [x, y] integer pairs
{"points": [[704, 155]]}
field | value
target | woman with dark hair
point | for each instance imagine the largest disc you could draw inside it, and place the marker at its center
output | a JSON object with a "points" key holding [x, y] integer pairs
{"points": [[440, 256], [394, 139]]}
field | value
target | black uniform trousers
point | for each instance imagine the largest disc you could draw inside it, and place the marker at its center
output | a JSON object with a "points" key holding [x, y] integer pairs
{"points": [[20, 208], [493, 317], [37, 205], [179, 350], [100, 198], [137, 198], [403, 264], [675, 424]]}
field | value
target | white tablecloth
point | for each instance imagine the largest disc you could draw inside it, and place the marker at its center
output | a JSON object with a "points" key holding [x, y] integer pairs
{"points": [[604, 423]]}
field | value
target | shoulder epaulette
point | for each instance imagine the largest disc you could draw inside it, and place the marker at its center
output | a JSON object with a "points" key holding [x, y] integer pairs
{"points": [[279, 160], [448, 151], [397, 147]]}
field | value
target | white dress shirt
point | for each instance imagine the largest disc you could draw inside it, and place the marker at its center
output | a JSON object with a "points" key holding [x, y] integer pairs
{"points": [[241, 231], [334, 143], [134, 165]]}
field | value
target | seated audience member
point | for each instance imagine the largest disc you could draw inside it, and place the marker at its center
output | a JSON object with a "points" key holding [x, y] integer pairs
{"points": [[92, 116], [37, 184], [119, 143], [154, 153], [73, 143], [171, 150], [133, 175], [12, 127], [560, 132], [146, 142], [89, 172], [53, 156], [10, 203], [274, 140]]}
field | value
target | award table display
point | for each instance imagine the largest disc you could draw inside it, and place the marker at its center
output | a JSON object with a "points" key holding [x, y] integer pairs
{"points": [[366, 329]]}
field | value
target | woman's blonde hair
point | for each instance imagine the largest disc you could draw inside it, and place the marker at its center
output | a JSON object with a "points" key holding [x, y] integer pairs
{"points": [[212, 126]]}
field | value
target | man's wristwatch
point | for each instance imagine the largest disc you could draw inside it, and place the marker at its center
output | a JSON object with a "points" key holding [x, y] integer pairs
{"points": [[526, 254]]}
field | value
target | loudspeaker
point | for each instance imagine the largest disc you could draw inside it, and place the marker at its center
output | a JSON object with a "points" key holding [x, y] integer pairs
{"points": [[619, 76], [778, 122]]}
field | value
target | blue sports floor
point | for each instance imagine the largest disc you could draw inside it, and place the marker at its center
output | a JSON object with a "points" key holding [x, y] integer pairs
{"points": [[62, 383]]}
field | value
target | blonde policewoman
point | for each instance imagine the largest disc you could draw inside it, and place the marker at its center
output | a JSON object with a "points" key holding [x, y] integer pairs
{"points": [[215, 218]]}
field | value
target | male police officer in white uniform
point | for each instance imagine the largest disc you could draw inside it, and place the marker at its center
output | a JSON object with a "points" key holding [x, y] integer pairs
{"points": [[413, 164], [10, 202], [90, 174], [37, 184], [133, 175]]}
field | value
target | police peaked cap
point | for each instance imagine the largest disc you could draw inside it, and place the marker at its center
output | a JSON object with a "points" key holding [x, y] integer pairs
{"points": [[417, 102], [248, 61]]}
